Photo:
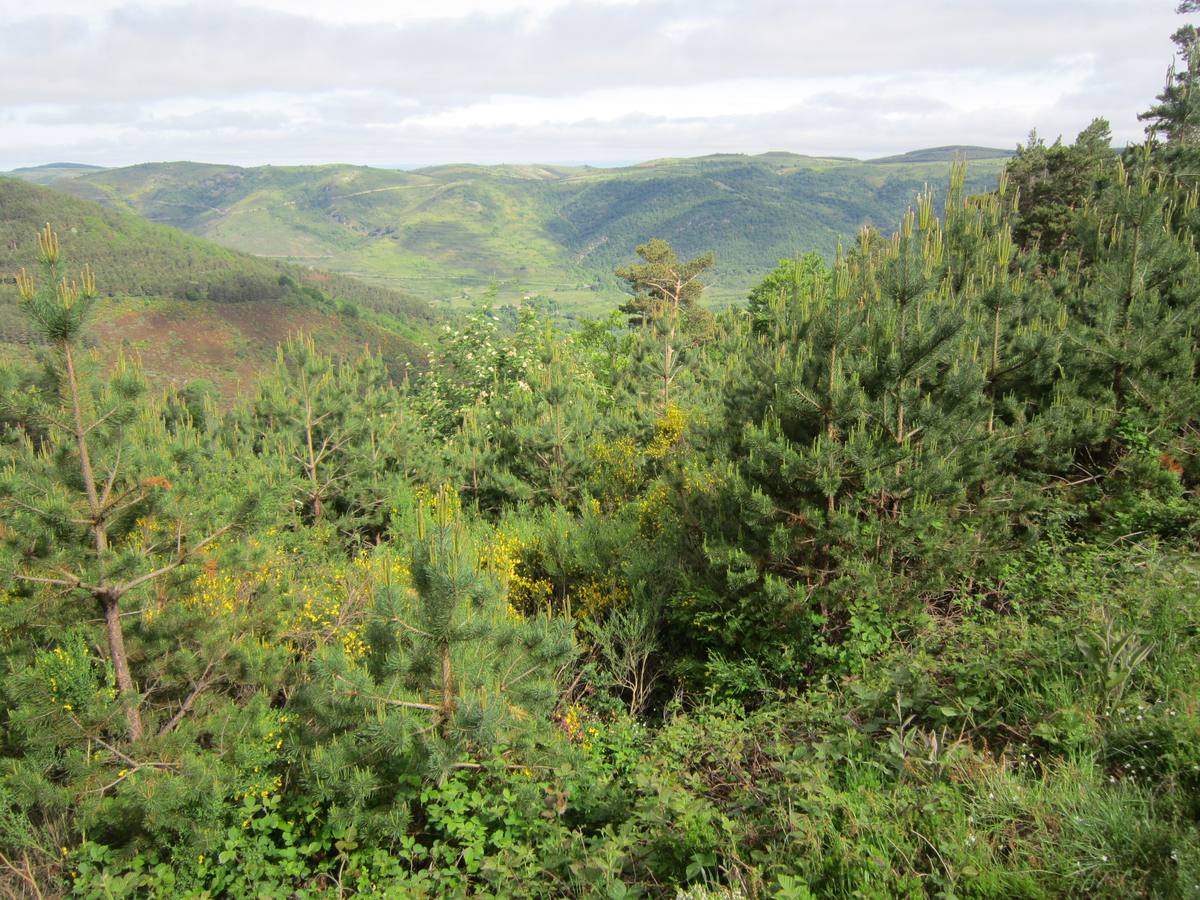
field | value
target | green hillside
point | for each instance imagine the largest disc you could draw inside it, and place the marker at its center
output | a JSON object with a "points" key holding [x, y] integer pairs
{"points": [[448, 232], [194, 309]]}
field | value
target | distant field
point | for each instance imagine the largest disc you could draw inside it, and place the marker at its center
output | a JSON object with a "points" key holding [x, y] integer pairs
{"points": [[449, 234]]}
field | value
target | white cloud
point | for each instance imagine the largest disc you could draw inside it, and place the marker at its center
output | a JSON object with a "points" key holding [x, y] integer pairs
{"points": [[293, 81]]}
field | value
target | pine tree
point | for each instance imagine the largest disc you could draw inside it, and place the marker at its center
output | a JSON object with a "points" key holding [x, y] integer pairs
{"points": [[344, 430], [1174, 121], [665, 292], [868, 465], [451, 676], [1133, 314], [791, 280], [92, 524], [1051, 184]]}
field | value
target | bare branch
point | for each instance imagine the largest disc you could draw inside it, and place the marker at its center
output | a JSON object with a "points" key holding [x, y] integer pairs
{"points": [[201, 686], [126, 773], [70, 581], [25, 873]]}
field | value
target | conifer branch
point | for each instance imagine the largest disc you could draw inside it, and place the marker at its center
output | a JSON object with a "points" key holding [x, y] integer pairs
{"points": [[111, 480], [123, 501], [126, 773], [100, 420], [42, 513], [69, 582], [183, 555], [387, 701], [413, 629], [505, 685]]}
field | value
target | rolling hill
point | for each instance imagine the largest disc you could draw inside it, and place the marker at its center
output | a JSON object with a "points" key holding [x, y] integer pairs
{"points": [[449, 232], [190, 308]]}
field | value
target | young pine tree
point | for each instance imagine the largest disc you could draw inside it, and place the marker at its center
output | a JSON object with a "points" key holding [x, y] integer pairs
{"points": [[86, 496], [1174, 121], [865, 476], [664, 304], [1133, 315], [1050, 184], [791, 280], [450, 677], [343, 429]]}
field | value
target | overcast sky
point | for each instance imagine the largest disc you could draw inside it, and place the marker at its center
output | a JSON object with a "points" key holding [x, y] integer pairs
{"points": [[393, 82]]}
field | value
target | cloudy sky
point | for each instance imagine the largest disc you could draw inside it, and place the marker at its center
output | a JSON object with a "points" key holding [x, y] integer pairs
{"points": [[394, 82]]}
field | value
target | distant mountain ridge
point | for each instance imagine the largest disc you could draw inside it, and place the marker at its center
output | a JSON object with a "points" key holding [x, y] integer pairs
{"points": [[447, 233], [51, 172], [946, 154]]}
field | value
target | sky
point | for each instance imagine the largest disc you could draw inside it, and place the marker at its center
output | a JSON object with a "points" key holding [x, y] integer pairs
{"points": [[399, 83]]}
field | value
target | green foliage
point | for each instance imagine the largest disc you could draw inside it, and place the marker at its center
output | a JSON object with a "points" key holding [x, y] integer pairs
{"points": [[790, 281], [661, 282], [447, 673], [343, 429], [1174, 121], [665, 308], [885, 586], [140, 259], [472, 364], [1052, 183]]}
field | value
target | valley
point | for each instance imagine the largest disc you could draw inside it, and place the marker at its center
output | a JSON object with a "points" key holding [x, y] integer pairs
{"points": [[452, 234]]}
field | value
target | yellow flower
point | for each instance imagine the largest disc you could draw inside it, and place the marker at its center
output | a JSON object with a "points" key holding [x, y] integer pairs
{"points": [[652, 510], [667, 431]]}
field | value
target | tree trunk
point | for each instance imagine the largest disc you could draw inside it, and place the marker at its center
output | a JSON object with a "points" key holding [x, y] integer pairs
{"points": [[120, 663], [673, 303], [109, 603], [85, 459], [995, 368], [668, 361], [447, 704], [311, 463]]}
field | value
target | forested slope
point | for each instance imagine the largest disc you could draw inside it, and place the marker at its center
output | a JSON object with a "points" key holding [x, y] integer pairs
{"points": [[195, 309], [447, 232]]}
